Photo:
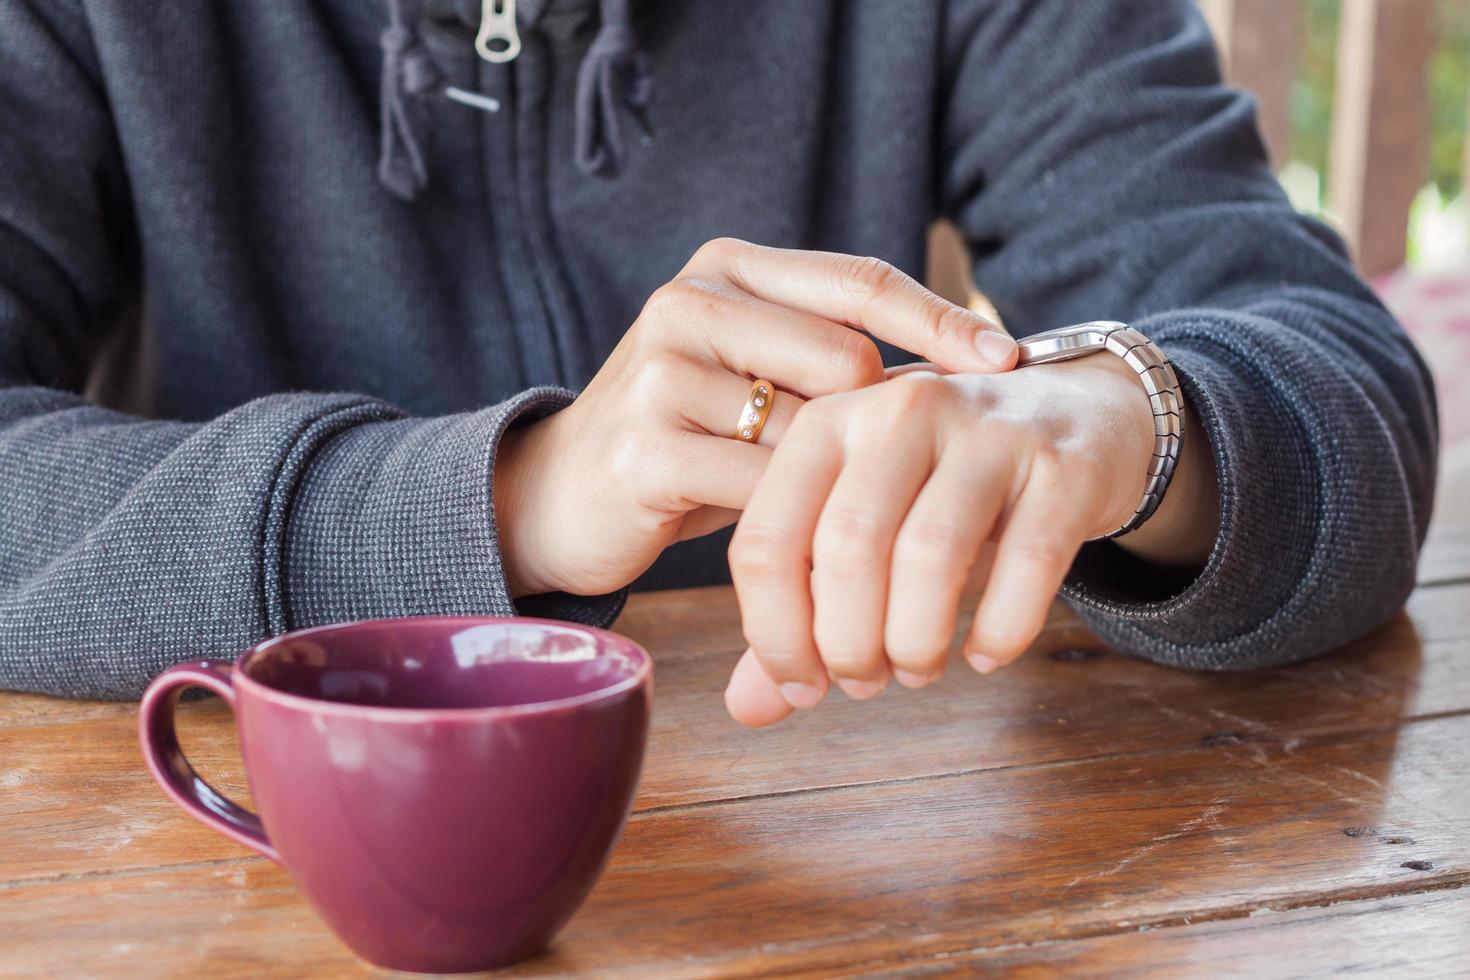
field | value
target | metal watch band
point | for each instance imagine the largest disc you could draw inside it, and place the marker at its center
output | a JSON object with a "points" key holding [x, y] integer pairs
{"points": [[1159, 381]]}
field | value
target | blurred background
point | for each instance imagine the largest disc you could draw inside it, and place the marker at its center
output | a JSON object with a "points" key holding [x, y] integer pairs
{"points": [[1365, 107]]}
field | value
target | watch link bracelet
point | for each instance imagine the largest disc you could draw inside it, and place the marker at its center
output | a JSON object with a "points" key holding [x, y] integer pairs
{"points": [[1159, 381]]}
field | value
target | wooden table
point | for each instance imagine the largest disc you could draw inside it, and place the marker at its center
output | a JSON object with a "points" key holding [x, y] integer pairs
{"points": [[1079, 811]]}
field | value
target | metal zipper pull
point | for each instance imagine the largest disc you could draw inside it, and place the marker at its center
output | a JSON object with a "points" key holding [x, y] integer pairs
{"points": [[498, 40]]}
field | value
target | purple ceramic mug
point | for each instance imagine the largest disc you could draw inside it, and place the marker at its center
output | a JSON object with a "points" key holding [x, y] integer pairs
{"points": [[444, 791]]}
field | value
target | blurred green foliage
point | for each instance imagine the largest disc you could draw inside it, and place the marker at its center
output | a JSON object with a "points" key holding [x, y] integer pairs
{"points": [[1449, 90]]}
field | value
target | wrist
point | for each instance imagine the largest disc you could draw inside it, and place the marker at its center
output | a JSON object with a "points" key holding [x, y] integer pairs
{"points": [[1137, 435], [1182, 530], [1122, 421], [516, 502]]}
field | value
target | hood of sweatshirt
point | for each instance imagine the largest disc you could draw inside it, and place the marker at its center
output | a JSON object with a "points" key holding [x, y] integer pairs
{"points": [[614, 80]]}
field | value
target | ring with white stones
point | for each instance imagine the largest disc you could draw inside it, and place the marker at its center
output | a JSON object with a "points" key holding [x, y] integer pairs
{"points": [[757, 409]]}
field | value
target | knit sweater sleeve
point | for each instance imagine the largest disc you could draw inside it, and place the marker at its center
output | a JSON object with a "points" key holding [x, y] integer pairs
{"points": [[128, 544], [1099, 170]]}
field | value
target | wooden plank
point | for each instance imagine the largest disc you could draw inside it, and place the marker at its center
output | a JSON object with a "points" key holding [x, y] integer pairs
{"points": [[1421, 935], [241, 919], [1258, 52], [1051, 707], [882, 872], [1446, 554], [837, 879], [1379, 126], [35, 709], [79, 800]]}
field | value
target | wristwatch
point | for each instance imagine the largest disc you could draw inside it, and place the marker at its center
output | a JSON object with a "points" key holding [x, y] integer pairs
{"points": [[1159, 381]]}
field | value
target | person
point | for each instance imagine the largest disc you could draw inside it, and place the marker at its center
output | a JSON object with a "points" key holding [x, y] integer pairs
{"points": [[294, 299]]}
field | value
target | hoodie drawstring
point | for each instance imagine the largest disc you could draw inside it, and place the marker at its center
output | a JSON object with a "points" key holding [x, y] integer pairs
{"points": [[614, 77], [408, 70], [613, 58]]}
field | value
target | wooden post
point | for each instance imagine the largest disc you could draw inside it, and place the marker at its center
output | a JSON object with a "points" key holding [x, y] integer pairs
{"points": [[1258, 44], [1380, 125], [948, 273]]}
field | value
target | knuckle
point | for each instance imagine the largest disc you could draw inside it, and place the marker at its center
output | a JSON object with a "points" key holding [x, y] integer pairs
{"points": [[680, 298], [865, 278], [1040, 549], [920, 654], [947, 321], [917, 390], [1046, 462], [932, 547], [859, 362], [812, 422], [889, 411], [721, 250], [655, 375], [849, 542], [778, 660], [1003, 641], [757, 552], [635, 459], [666, 301], [846, 659], [916, 654]]}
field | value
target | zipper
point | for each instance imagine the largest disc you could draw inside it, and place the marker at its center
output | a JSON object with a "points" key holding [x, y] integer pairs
{"points": [[499, 40], [546, 321]]}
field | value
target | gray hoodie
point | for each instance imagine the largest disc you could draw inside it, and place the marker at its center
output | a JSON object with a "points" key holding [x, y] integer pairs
{"points": [[275, 277]]}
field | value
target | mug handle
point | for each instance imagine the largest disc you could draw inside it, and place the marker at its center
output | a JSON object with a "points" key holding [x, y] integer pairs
{"points": [[172, 771]]}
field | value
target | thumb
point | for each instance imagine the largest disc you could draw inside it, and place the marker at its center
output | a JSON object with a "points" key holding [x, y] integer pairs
{"points": [[752, 697], [956, 340]]}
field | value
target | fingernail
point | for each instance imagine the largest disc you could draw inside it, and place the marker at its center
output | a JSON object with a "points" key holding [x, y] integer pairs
{"points": [[995, 346], [860, 690], [982, 663], [910, 679], [801, 695]]}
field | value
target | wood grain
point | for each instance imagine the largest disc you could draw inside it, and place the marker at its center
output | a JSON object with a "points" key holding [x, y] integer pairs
{"points": [[856, 875], [1446, 554], [1423, 935], [1068, 698], [224, 919], [832, 879], [1034, 821], [78, 795]]}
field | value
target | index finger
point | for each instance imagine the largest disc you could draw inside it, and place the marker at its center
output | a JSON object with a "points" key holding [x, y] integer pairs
{"points": [[867, 293]]}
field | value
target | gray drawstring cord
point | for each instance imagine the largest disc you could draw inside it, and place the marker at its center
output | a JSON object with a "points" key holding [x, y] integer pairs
{"points": [[614, 57], [614, 78], [408, 71]]}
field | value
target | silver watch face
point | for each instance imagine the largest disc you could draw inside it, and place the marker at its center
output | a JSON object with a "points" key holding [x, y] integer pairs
{"points": [[1065, 343]]}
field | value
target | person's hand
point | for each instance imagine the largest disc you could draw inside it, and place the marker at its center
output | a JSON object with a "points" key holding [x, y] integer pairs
{"points": [[587, 498], [881, 508]]}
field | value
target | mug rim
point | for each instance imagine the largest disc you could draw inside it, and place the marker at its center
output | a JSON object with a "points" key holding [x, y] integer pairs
{"points": [[379, 712]]}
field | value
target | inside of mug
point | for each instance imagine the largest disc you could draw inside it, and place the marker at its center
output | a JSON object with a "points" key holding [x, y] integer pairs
{"points": [[445, 663]]}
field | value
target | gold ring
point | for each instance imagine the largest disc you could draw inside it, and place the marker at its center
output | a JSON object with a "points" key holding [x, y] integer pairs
{"points": [[757, 409]]}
